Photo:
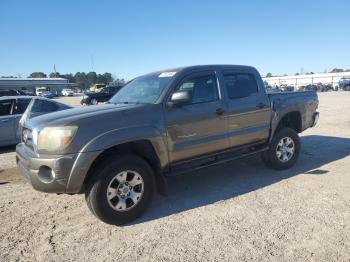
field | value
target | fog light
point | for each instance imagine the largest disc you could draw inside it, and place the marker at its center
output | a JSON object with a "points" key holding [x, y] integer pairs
{"points": [[46, 174]]}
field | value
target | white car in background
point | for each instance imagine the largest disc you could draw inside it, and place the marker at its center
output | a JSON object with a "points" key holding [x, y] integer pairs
{"points": [[67, 92], [40, 90]]}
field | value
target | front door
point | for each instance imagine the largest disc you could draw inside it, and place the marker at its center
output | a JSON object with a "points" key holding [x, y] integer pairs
{"points": [[197, 128], [7, 131]]}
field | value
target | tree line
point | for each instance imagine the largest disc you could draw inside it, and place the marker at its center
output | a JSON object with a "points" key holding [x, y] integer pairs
{"points": [[84, 80]]}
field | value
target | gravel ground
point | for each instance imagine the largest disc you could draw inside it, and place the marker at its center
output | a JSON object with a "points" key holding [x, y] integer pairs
{"points": [[239, 211]]}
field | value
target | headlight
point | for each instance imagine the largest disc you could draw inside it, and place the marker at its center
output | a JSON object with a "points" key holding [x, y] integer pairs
{"points": [[55, 138]]}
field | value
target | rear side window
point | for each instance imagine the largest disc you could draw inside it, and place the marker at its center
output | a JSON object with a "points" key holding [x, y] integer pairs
{"points": [[21, 105], [202, 88], [5, 107], [42, 106], [240, 85]]}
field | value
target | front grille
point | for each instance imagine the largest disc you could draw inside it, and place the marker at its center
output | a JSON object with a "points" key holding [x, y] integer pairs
{"points": [[27, 137]]}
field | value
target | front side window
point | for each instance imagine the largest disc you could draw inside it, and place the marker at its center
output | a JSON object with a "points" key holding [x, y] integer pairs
{"points": [[5, 107], [240, 85], [203, 88]]}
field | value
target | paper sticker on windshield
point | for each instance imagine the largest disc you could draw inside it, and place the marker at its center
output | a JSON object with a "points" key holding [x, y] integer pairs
{"points": [[167, 74]]}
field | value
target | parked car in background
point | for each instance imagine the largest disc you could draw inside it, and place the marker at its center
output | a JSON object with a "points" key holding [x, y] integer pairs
{"points": [[12, 108], [26, 92], [287, 88], [58, 93], [47, 94], [67, 92], [319, 87], [40, 90], [344, 84], [92, 98], [97, 87]]}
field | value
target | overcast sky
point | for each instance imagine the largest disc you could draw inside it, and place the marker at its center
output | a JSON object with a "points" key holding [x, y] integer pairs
{"points": [[128, 38]]}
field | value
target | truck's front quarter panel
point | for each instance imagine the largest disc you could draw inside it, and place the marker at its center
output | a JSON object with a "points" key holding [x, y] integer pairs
{"points": [[64, 171]]}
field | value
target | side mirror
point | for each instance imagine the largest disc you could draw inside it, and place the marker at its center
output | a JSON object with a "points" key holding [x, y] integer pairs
{"points": [[180, 98]]}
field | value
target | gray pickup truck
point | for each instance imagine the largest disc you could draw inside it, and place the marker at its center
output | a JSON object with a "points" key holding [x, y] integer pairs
{"points": [[158, 125]]}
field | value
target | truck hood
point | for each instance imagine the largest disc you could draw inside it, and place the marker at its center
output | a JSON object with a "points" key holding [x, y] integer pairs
{"points": [[94, 122], [69, 116]]}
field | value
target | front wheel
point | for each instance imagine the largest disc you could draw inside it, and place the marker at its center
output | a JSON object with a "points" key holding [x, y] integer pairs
{"points": [[93, 101], [284, 149], [121, 189]]}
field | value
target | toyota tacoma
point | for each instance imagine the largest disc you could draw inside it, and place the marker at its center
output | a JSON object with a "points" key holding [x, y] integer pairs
{"points": [[158, 125]]}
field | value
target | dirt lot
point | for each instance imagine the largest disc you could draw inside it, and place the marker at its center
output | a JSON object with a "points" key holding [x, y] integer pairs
{"points": [[240, 211]]}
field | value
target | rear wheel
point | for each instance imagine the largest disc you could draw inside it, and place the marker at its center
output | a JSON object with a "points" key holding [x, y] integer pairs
{"points": [[284, 149], [121, 189]]}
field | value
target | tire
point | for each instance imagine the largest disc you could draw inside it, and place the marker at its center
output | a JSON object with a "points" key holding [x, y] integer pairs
{"points": [[119, 208], [279, 155], [93, 101]]}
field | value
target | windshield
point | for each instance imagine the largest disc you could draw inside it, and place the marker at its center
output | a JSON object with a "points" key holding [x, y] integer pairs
{"points": [[144, 89]]}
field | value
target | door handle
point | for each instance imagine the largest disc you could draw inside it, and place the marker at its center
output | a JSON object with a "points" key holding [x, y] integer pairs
{"points": [[219, 111], [261, 105], [4, 120]]}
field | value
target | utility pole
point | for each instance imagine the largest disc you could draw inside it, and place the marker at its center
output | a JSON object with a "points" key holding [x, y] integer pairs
{"points": [[54, 69], [92, 63]]}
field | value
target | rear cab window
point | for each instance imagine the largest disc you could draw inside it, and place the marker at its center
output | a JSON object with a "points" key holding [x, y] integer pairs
{"points": [[240, 85]]}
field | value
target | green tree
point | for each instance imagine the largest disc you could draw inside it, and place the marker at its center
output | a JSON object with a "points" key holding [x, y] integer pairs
{"points": [[53, 74], [70, 77], [268, 75], [119, 82], [37, 75], [81, 80], [91, 78]]}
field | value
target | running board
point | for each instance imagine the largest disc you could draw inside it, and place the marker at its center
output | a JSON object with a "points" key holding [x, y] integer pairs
{"points": [[214, 160]]}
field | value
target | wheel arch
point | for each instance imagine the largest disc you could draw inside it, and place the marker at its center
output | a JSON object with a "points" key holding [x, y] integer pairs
{"points": [[291, 119], [143, 148]]}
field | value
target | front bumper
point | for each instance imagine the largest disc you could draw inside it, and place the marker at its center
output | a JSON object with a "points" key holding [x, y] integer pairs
{"points": [[54, 173]]}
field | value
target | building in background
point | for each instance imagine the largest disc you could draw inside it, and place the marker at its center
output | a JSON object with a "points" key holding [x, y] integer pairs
{"points": [[30, 84], [298, 81]]}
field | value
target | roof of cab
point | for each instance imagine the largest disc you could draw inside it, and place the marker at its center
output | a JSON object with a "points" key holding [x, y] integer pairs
{"points": [[204, 67]]}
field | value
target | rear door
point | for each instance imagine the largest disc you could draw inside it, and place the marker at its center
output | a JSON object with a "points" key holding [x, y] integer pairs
{"points": [[7, 134], [249, 112], [197, 128]]}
